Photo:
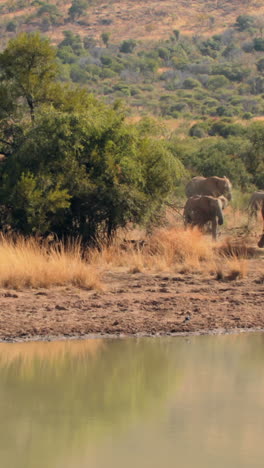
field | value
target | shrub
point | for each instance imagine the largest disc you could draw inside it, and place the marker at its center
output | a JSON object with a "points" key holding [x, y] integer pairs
{"points": [[247, 116], [190, 83], [244, 22], [225, 130], [11, 26], [128, 46], [258, 44], [198, 131], [216, 82]]}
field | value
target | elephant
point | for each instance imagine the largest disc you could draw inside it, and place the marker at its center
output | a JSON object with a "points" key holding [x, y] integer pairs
{"points": [[255, 203], [201, 209], [213, 186], [261, 240], [224, 201]]}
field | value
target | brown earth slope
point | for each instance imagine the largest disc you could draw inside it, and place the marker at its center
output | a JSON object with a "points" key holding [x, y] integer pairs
{"points": [[148, 20]]}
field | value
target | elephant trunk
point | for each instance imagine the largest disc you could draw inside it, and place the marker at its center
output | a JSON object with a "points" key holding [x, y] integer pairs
{"points": [[228, 195], [219, 213]]}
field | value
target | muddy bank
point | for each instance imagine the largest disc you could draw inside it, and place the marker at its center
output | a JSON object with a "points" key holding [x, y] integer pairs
{"points": [[136, 304]]}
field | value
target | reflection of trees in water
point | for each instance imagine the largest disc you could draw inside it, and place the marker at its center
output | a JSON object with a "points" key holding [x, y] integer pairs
{"points": [[63, 395]]}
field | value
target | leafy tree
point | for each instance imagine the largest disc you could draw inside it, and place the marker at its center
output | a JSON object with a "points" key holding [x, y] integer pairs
{"points": [[72, 40], [254, 158], [77, 9], [105, 38], [244, 22], [50, 12], [76, 168], [86, 173], [29, 68]]}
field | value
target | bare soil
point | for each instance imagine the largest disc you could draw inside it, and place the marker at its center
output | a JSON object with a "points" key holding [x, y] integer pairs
{"points": [[136, 304]]}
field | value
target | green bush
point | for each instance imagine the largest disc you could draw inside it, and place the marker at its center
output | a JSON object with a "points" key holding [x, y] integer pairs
{"points": [[244, 22], [259, 44], [198, 131], [216, 82], [128, 46], [11, 26], [190, 83]]}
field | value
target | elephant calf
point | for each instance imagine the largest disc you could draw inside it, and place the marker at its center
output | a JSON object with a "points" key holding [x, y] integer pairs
{"points": [[199, 210]]}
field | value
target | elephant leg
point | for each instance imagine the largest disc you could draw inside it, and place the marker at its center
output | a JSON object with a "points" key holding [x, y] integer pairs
{"points": [[214, 228]]}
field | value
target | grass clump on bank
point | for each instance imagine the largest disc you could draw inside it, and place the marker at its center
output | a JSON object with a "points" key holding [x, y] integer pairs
{"points": [[26, 263], [167, 249]]}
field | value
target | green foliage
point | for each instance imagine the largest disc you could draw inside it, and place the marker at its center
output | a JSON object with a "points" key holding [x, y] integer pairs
{"points": [[77, 9], [77, 168], [50, 11], [260, 65], [254, 159], [190, 83], [28, 66], [72, 40], [226, 129], [128, 46], [11, 26], [244, 22], [218, 81], [222, 158], [258, 44], [105, 38]]}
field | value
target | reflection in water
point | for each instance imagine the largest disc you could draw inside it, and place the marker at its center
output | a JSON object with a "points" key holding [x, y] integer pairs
{"points": [[136, 402]]}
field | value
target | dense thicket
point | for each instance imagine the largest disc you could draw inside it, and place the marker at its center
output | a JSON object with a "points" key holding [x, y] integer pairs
{"points": [[71, 165]]}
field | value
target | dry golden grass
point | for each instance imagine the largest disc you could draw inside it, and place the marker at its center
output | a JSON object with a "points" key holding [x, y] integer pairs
{"points": [[151, 20], [27, 263], [165, 250], [177, 250]]}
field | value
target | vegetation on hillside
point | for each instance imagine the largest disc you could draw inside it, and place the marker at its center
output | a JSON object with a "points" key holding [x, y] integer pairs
{"points": [[190, 77], [73, 165]]}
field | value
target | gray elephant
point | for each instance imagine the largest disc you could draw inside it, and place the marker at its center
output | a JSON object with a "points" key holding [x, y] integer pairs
{"points": [[213, 186], [200, 210], [261, 240], [254, 203]]}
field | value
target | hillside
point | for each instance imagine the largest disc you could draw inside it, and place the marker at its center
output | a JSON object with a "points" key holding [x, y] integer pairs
{"points": [[148, 20]]}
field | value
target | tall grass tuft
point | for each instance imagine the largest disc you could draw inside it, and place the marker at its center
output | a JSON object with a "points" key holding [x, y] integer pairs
{"points": [[167, 249], [27, 263]]}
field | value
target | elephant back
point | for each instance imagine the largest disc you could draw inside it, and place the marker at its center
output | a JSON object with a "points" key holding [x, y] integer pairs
{"points": [[209, 186], [194, 186]]}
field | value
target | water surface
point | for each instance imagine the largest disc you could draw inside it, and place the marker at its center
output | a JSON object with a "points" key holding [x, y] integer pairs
{"points": [[172, 402]]}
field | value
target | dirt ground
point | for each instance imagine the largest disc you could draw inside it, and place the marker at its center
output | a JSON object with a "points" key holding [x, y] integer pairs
{"points": [[136, 304]]}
